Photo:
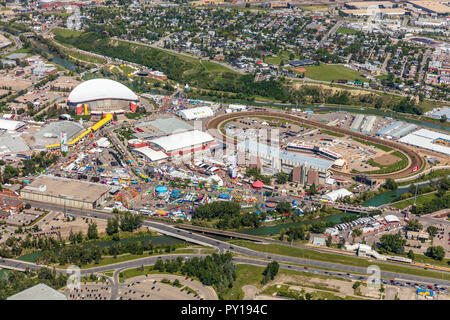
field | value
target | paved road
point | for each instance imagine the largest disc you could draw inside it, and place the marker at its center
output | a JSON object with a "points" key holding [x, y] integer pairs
{"points": [[330, 33], [222, 246]]}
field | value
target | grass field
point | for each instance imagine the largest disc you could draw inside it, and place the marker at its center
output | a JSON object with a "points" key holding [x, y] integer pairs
{"points": [[376, 145], [245, 275], [345, 30], [335, 258], [66, 32], [431, 175], [327, 72], [422, 199], [314, 8], [127, 257], [330, 133], [399, 165]]}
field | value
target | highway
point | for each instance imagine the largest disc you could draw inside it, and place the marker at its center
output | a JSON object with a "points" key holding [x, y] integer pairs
{"points": [[221, 245]]}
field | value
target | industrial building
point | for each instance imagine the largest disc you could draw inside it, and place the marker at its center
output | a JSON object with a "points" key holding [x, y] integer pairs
{"points": [[149, 154], [196, 113], [67, 192], [368, 4], [272, 159], [12, 143], [10, 125], [403, 131], [427, 139], [183, 143], [386, 130], [430, 6], [98, 96], [357, 122], [40, 291], [160, 127], [368, 125]]}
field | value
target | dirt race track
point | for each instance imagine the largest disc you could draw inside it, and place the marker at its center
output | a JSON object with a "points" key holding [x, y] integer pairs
{"points": [[415, 160]]}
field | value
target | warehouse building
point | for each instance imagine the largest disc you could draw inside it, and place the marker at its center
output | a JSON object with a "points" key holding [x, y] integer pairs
{"points": [[68, 192], [160, 127], [40, 291], [357, 122], [11, 125], [183, 143], [427, 139], [368, 125]]}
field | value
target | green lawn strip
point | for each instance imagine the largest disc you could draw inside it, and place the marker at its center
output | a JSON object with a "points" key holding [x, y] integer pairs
{"points": [[85, 57], [420, 199], [336, 258], [127, 257], [327, 72], [397, 166], [428, 176], [66, 32], [330, 133], [376, 145], [427, 260], [109, 273]]}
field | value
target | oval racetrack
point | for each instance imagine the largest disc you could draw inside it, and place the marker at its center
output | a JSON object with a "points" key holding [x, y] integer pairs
{"points": [[415, 160]]}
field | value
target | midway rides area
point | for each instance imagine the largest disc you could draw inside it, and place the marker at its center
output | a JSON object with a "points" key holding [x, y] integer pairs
{"points": [[414, 159]]}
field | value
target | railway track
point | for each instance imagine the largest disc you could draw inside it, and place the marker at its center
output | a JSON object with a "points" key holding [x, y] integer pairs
{"points": [[414, 159]]}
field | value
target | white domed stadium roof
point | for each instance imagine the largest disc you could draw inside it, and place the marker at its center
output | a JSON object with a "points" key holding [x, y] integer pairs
{"points": [[98, 89]]}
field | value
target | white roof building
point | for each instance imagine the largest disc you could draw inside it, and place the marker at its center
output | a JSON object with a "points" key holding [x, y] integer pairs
{"points": [[100, 89], [40, 291], [196, 113], [103, 142], [428, 139], [237, 107], [337, 194], [10, 124], [182, 140], [150, 154]]}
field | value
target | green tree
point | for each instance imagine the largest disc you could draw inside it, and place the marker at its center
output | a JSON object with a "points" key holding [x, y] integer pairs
{"points": [[284, 207], [411, 254], [432, 230], [270, 272], [414, 225], [112, 226], [92, 231], [435, 252], [392, 243], [390, 184]]}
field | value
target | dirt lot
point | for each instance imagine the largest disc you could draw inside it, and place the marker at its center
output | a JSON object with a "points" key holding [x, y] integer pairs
{"points": [[386, 159], [14, 83], [60, 224]]}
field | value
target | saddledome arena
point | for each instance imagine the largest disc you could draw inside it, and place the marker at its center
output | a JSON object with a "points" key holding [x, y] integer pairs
{"points": [[98, 96]]}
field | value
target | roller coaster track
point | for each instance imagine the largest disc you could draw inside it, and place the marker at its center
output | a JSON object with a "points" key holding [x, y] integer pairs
{"points": [[415, 160]]}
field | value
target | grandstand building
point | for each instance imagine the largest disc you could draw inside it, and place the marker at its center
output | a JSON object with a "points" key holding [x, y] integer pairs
{"points": [[313, 149], [306, 169], [99, 96]]}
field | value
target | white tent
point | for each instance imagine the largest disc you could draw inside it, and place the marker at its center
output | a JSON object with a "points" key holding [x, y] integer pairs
{"points": [[337, 194], [196, 113]]}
